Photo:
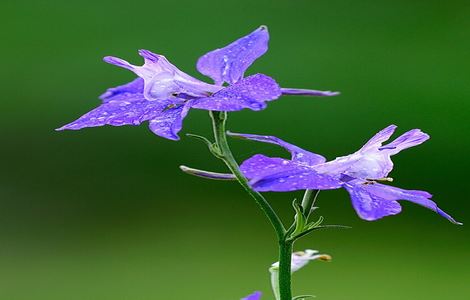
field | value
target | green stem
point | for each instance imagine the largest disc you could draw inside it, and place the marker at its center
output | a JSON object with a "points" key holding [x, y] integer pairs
{"points": [[285, 260], [285, 246], [218, 122], [308, 201]]}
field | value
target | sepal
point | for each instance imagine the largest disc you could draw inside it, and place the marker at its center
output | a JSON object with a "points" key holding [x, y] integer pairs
{"points": [[207, 174], [303, 297], [213, 148]]}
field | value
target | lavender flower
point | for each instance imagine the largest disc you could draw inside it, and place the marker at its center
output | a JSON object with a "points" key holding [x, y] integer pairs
{"points": [[254, 296], [163, 94], [358, 173]]}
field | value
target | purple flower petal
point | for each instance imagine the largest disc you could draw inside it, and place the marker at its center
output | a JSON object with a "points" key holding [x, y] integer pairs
{"points": [[419, 197], [124, 91], [297, 178], [259, 166], [254, 296], [368, 206], [277, 174], [299, 155], [374, 201], [303, 92], [408, 139], [280, 175], [115, 113], [229, 64], [162, 80], [380, 137], [168, 123], [251, 92], [165, 120]]}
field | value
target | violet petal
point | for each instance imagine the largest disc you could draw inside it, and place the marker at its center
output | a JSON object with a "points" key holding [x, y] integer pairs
{"points": [[408, 139], [298, 154], [297, 178], [251, 92], [169, 122], [124, 91], [374, 201], [380, 137], [228, 64], [115, 113], [259, 166], [254, 296], [371, 207], [165, 117]]}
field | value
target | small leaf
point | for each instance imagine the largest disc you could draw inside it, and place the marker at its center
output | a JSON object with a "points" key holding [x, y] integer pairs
{"points": [[299, 218], [317, 228], [315, 224]]}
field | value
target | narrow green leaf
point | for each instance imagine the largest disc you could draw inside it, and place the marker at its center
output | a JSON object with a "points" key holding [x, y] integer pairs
{"points": [[300, 219]]}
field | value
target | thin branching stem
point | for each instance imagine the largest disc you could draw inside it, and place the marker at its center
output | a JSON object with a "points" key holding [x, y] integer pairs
{"points": [[285, 245]]}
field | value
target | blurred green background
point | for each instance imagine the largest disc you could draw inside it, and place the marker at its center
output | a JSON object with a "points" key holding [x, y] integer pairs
{"points": [[105, 213]]}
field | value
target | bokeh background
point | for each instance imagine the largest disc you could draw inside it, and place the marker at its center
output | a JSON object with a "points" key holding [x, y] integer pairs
{"points": [[105, 213]]}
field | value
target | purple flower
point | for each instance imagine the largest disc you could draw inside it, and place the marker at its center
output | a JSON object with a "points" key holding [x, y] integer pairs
{"points": [[358, 173], [162, 94], [254, 296]]}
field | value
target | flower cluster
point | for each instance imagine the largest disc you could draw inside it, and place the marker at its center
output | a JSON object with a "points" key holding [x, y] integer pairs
{"points": [[163, 95]]}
